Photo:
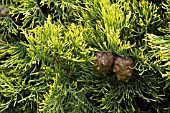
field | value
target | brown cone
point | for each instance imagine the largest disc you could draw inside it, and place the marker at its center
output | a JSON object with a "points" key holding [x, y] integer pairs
{"points": [[123, 68], [103, 63], [4, 12]]}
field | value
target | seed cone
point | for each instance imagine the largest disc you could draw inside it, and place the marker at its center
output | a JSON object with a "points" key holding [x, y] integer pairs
{"points": [[104, 62], [3, 11], [123, 68]]}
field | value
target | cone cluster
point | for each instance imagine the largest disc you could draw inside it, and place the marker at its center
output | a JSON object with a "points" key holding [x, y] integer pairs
{"points": [[120, 65]]}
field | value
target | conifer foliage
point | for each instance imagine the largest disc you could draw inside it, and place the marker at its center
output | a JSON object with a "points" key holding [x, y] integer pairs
{"points": [[84, 56]]}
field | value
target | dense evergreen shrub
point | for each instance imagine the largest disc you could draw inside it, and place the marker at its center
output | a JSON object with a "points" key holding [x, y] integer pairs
{"points": [[54, 56]]}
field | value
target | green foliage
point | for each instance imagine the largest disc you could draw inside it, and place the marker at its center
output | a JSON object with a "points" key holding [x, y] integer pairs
{"points": [[47, 50], [160, 50], [160, 47], [108, 21], [35, 62]]}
